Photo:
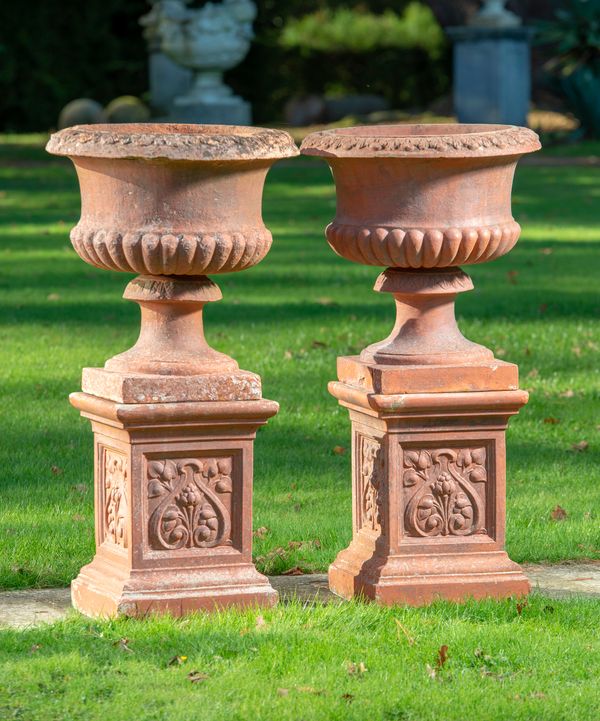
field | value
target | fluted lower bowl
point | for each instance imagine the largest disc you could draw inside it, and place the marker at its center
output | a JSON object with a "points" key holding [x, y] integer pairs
{"points": [[422, 196], [165, 199]]}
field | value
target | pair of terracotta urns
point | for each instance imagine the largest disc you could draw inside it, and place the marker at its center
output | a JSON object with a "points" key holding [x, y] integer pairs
{"points": [[174, 420]]}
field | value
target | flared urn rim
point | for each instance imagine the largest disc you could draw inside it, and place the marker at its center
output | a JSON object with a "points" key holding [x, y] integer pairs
{"points": [[173, 141], [422, 196], [443, 140], [171, 199]]}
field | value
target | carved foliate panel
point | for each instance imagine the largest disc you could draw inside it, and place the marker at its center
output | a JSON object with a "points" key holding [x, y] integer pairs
{"points": [[369, 485], [115, 507], [444, 491], [189, 502]]}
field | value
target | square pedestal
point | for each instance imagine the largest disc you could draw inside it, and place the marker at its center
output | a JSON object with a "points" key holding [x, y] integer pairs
{"points": [[173, 500], [428, 485]]}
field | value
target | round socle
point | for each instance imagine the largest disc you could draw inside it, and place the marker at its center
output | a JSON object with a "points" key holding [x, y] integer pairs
{"points": [[170, 199], [422, 196]]}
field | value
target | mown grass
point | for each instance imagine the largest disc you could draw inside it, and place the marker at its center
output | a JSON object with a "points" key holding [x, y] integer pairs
{"points": [[342, 663], [288, 319]]}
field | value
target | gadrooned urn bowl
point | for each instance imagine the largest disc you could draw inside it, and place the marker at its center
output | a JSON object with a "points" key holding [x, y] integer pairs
{"points": [[164, 199], [422, 196]]}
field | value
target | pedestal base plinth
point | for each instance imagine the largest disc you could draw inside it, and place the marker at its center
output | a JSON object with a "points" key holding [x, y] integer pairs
{"points": [[428, 485], [420, 579], [173, 499], [104, 589]]}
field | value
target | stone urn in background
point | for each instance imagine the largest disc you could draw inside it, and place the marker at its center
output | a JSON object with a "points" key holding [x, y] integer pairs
{"points": [[428, 407], [174, 420], [208, 41]]}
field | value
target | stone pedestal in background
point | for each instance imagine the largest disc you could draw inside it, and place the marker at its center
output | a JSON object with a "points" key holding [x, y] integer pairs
{"points": [[232, 111], [428, 407], [174, 420], [167, 81], [207, 41], [492, 74]]}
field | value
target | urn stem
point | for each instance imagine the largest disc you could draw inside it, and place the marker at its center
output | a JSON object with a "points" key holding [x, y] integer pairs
{"points": [[425, 331], [171, 340]]}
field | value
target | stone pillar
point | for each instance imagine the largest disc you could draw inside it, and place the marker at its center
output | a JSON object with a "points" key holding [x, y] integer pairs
{"points": [[167, 79], [492, 74], [173, 419], [428, 407]]}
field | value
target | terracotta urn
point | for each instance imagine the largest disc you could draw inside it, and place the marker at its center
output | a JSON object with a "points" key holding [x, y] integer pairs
{"points": [[173, 419], [428, 407]]}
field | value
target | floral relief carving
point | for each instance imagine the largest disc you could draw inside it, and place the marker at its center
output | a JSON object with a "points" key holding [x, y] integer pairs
{"points": [[371, 486], [442, 490], [115, 497], [191, 500]]}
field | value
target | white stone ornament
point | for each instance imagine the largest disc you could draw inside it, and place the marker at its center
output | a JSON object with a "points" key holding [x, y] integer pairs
{"points": [[207, 40]]}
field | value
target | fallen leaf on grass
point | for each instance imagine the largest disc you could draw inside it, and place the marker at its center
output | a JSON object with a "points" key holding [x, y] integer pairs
{"points": [[294, 571], [177, 660], [80, 488], [123, 644], [283, 691], [547, 251], [78, 517], [558, 514], [339, 450], [500, 352], [552, 420], [197, 677], [57, 470], [318, 344], [407, 635], [580, 447], [35, 647], [520, 606], [356, 668], [326, 301], [576, 350], [533, 373], [260, 532], [310, 689], [348, 697], [567, 394], [288, 355], [53, 296], [260, 622], [442, 658]]}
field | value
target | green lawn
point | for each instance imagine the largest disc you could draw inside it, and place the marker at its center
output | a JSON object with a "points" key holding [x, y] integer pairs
{"points": [[335, 663], [288, 319]]}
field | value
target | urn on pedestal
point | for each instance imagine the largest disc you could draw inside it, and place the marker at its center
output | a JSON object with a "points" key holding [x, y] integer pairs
{"points": [[428, 407], [174, 420]]}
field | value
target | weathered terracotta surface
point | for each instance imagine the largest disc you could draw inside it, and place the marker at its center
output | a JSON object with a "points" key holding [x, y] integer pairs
{"points": [[174, 420], [428, 407]]}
